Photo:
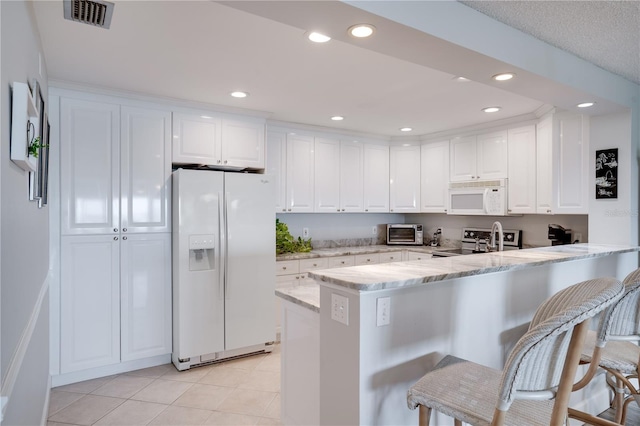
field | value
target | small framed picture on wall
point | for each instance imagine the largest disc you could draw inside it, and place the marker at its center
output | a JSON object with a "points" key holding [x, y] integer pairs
{"points": [[607, 173]]}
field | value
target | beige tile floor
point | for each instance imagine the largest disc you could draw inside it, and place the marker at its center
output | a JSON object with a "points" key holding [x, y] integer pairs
{"points": [[245, 391]]}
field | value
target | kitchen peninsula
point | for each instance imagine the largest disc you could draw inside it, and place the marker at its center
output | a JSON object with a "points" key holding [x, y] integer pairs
{"points": [[386, 325]]}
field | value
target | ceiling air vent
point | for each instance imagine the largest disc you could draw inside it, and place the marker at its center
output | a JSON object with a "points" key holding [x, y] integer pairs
{"points": [[93, 12]]}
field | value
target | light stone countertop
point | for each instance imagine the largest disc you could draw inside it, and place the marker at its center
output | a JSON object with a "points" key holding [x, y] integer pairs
{"points": [[353, 250], [306, 295], [402, 274]]}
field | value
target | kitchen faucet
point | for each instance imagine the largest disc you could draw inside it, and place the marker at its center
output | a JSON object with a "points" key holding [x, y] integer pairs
{"points": [[497, 226]]}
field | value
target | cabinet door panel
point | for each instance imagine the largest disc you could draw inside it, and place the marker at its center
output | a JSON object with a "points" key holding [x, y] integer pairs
{"points": [[404, 193], [492, 155], [434, 177], [326, 160], [544, 167], [145, 170], [351, 176], [572, 153], [89, 302], [376, 178], [463, 159], [146, 295], [522, 170], [196, 139], [276, 166], [243, 143], [89, 167], [300, 174]]}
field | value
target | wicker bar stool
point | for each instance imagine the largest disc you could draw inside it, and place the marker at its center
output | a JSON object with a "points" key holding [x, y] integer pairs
{"points": [[537, 380], [619, 329]]}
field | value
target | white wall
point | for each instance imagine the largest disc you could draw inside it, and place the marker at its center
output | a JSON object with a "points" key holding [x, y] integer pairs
{"points": [[24, 247], [534, 227], [610, 220]]}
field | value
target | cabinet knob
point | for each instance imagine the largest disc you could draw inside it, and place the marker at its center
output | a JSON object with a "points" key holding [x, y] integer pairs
{"points": [[342, 209], [218, 161], [124, 238], [315, 264], [297, 277], [342, 262], [225, 161], [115, 238], [390, 210], [338, 210], [115, 229], [284, 268], [366, 210], [548, 211], [289, 209], [445, 210], [124, 229], [284, 210], [508, 210]]}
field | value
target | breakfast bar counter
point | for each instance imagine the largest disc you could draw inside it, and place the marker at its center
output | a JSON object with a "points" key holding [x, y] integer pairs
{"points": [[382, 327]]}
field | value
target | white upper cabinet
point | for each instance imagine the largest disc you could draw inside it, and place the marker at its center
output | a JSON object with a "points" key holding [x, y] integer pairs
{"points": [[276, 162], [145, 171], [463, 159], [434, 177], [376, 178], [562, 164], [327, 175], [300, 173], [89, 167], [243, 143], [351, 176], [217, 141], [481, 157], [196, 139], [404, 171], [522, 170]]}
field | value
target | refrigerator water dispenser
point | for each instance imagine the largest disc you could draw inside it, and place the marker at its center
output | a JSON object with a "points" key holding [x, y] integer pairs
{"points": [[202, 250]]}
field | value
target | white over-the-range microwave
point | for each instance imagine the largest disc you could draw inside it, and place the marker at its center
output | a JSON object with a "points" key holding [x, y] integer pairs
{"points": [[487, 197]]}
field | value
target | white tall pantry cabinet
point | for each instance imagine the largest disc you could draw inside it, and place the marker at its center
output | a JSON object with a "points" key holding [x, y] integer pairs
{"points": [[115, 244]]}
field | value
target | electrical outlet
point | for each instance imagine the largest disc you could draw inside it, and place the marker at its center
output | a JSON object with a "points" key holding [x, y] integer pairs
{"points": [[383, 311], [374, 230], [340, 308], [305, 232]]}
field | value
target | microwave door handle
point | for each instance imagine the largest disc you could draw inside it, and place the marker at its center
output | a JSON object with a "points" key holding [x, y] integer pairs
{"points": [[485, 200]]}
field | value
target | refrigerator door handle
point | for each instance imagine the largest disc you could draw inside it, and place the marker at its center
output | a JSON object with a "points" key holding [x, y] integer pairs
{"points": [[226, 253], [221, 245]]}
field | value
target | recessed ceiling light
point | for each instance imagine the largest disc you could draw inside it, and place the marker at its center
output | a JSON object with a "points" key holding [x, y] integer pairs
{"points": [[491, 109], [362, 30], [504, 76], [406, 129], [239, 94], [586, 104], [318, 38], [205, 116], [461, 79], [337, 118]]}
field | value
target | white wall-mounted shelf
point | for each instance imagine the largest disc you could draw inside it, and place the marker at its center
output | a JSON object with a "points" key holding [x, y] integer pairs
{"points": [[23, 112]]}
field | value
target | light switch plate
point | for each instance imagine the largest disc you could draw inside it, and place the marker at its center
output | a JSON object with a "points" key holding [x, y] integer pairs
{"points": [[340, 308], [383, 311]]}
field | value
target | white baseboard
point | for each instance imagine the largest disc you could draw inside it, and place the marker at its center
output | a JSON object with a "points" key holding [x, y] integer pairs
{"points": [[45, 409], [109, 370], [15, 364]]}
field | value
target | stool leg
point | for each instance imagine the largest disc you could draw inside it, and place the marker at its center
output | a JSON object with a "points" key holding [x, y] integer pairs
{"points": [[619, 400], [457, 422], [424, 414]]}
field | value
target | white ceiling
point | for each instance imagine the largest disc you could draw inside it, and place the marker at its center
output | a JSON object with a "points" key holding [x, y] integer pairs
{"points": [[200, 51]]}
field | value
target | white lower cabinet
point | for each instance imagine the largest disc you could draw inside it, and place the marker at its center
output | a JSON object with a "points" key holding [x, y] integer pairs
{"points": [[414, 255], [145, 287], [394, 256], [89, 302], [115, 299]]}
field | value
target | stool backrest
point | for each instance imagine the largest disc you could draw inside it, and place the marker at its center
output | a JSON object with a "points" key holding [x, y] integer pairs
{"points": [[622, 320], [536, 362]]}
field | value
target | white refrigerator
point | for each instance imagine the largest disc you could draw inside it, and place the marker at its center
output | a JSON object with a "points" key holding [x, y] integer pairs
{"points": [[223, 265]]}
